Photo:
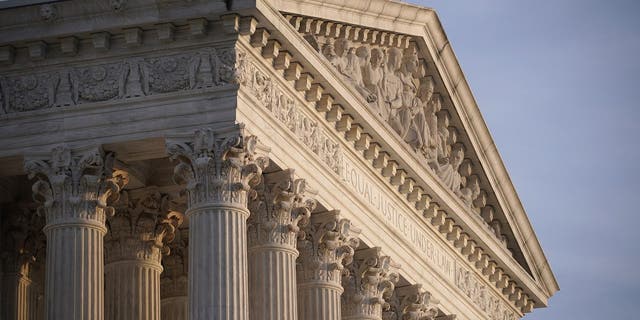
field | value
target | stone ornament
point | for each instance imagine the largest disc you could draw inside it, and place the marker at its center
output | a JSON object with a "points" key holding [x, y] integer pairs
{"points": [[326, 247], [217, 167], [411, 303], [288, 111], [75, 184], [173, 279], [281, 207], [142, 227], [368, 284], [388, 72], [131, 78], [391, 77]]}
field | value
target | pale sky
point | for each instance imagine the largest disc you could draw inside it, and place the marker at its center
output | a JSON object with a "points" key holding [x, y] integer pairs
{"points": [[557, 83]]}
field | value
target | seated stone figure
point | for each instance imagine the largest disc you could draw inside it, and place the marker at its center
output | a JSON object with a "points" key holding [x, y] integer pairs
{"points": [[448, 170]]}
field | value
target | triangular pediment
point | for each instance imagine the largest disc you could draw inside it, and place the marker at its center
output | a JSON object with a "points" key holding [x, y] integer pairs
{"points": [[409, 83], [393, 77]]}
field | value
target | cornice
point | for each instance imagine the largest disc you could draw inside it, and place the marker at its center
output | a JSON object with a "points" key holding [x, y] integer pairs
{"points": [[284, 28]]}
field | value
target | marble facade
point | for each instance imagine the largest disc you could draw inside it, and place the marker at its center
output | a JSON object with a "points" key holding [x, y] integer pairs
{"points": [[262, 160]]}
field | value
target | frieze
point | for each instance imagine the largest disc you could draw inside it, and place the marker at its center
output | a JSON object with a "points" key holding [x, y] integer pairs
{"points": [[129, 78], [432, 253], [288, 111], [481, 295]]}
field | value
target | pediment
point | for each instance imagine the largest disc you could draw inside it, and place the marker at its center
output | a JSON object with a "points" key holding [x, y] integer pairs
{"points": [[393, 77], [423, 99]]}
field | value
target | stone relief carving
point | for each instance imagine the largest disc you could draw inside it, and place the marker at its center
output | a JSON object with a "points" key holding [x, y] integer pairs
{"points": [[288, 111], [173, 279], [219, 167], [368, 283], [393, 82], [481, 295], [282, 206], [130, 78], [326, 247], [142, 227], [411, 303], [75, 184]]}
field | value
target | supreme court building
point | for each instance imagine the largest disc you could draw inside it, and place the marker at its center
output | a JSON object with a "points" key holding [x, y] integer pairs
{"points": [[250, 159]]}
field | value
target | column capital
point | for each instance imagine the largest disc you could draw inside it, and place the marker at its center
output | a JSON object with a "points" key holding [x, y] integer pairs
{"points": [[326, 246], [219, 167], [370, 281], [75, 186], [411, 303], [22, 240], [174, 277], [144, 223], [281, 207]]}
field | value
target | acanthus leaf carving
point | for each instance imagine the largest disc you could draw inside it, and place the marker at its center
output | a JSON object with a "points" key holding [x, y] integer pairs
{"points": [[143, 226], [369, 282], [411, 303], [174, 280], [326, 247], [280, 208], [75, 185], [216, 167]]}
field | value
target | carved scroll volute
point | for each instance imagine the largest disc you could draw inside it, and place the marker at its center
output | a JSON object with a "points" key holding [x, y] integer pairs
{"points": [[281, 207], [218, 167], [416, 303], [369, 283], [145, 222], [326, 247], [75, 185]]}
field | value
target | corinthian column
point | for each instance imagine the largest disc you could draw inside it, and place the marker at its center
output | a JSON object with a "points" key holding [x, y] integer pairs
{"points": [[370, 281], [174, 301], [144, 222], [411, 303], [327, 245], [276, 216], [218, 169], [22, 244], [74, 187]]}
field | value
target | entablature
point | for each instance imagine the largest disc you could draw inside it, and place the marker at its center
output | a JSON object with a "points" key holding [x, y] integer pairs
{"points": [[341, 105]]}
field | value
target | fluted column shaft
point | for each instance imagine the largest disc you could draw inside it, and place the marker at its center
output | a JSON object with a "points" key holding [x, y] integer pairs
{"points": [[218, 168], [143, 223], [74, 187], [74, 282], [272, 283], [174, 308], [278, 212], [19, 297], [218, 276], [327, 246], [319, 301], [132, 290]]}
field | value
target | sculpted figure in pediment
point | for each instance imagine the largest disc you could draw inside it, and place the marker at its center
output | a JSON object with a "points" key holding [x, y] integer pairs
{"points": [[372, 74], [448, 170], [392, 86]]}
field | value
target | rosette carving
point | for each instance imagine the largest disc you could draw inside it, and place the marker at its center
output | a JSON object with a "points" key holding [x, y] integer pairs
{"points": [[326, 247], [411, 303], [217, 167], [144, 223], [75, 185], [282, 206], [369, 282]]}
